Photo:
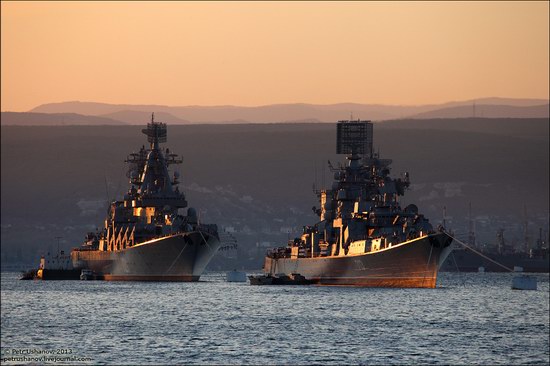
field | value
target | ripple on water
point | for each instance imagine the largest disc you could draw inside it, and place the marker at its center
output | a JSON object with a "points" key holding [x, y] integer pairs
{"points": [[469, 319]]}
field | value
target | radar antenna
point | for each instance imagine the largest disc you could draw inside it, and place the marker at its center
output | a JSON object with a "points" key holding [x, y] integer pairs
{"points": [[354, 137], [156, 132]]}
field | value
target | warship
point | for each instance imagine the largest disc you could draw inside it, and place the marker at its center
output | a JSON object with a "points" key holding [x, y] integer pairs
{"points": [[535, 259], [146, 236], [363, 236]]}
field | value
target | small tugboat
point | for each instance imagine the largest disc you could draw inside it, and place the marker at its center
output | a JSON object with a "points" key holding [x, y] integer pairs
{"points": [[266, 279], [87, 275], [57, 267], [280, 279], [28, 275], [363, 237]]}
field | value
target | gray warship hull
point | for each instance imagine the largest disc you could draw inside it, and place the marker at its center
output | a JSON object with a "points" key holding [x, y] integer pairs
{"points": [[413, 263], [180, 257]]}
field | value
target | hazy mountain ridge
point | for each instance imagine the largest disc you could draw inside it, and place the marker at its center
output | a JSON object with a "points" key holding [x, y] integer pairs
{"points": [[489, 111], [285, 112], [54, 119], [139, 117]]}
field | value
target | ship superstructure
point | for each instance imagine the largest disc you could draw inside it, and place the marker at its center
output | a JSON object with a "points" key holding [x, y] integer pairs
{"points": [[363, 236], [146, 236]]}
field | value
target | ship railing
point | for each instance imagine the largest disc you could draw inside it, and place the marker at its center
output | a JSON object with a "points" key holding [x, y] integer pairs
{"points": [[276, 253], [204, 228], [85, 249]]}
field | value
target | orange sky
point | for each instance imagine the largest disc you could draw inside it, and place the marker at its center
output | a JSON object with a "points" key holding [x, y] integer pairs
{"points": [[255, 53]]}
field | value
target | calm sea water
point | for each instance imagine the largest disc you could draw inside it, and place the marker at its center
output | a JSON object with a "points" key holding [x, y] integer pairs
{"points": [[470, 319]]}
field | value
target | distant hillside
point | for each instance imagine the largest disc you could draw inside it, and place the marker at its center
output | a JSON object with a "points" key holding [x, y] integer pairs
{"points": [[140, 117], [261, 114], [281, 112], [532, 128], [489, 111], [53, 119], [257, 178], [517, 102]]}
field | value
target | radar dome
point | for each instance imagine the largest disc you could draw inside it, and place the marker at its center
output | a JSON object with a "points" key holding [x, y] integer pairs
{"points": [[191, 212], [411, 208]]}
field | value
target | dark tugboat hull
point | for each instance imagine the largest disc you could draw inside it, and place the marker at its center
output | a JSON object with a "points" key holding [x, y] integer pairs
{"points": [[181, 257], [413, 263], [58, 274]]}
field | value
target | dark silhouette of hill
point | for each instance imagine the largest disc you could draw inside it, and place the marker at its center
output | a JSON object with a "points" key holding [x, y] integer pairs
{"points": [[532, 128], [261, 114], [137, 117], [54, 119], [488, 111], [277, 113], [257, 178], [518, 102]]}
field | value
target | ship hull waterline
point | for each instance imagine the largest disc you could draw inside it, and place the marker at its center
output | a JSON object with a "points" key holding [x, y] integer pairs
{"points": [[413, 263], [181, 257]]}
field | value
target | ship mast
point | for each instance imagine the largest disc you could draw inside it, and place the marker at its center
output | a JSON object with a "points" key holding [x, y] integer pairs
{"points": [[525, 231], [471, 232], [156, 132], [501, 245]]}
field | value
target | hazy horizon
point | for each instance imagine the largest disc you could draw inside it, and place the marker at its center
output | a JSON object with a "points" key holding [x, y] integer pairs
{"points": [[256, 53], [536, 101], [100, 113]]}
